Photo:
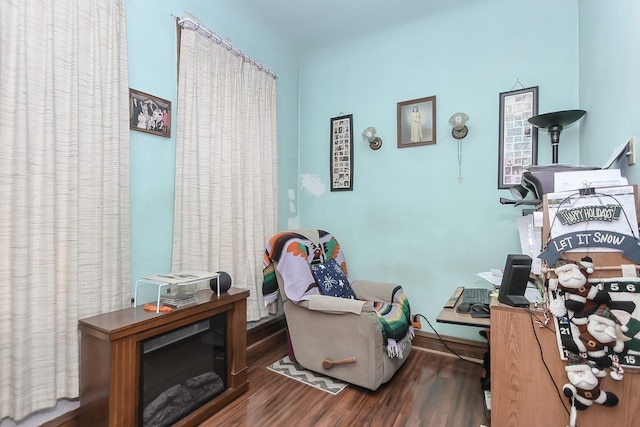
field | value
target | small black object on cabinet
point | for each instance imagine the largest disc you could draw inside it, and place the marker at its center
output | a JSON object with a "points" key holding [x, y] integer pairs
{"points": [[224, 279]]}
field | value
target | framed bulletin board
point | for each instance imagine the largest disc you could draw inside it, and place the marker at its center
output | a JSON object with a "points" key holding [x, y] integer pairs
{"points": [[341, 153], [518, 139]]}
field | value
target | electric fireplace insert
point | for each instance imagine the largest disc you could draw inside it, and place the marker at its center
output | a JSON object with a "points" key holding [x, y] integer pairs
{"points": [[181, 370]]}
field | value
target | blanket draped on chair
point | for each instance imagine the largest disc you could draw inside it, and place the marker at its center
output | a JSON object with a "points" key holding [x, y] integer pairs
{"points": [[395, 318], [293, 254]]}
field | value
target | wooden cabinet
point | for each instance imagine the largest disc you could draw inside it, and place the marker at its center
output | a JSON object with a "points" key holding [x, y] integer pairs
{"points": [[527, 378], [110, 348]]}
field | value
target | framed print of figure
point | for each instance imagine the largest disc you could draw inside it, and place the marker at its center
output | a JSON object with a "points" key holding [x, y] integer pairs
{"points": [[417, 122]]}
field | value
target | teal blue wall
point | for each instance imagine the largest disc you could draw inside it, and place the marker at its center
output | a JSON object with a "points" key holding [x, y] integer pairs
{"points": [[151, 38], [409, 218], [609, 83]]}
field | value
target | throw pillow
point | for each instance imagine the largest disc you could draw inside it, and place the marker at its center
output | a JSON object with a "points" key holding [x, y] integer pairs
{"points": [[331, 280]]}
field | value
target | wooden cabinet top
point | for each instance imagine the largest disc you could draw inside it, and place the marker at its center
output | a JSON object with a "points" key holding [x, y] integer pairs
{"points": [[132, 320]]}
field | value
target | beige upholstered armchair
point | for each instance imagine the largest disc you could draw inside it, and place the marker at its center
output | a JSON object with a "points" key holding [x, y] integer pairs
{"points": [[362, 341]]}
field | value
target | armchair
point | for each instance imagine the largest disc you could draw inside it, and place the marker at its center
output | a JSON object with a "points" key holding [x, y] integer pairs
{"points": [[362, 341]]}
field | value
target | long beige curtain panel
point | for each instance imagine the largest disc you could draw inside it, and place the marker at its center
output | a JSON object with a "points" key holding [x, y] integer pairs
{"points": [[226, 162], [64, 186]]}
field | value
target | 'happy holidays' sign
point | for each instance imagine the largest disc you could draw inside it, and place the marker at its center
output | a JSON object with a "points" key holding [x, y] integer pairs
{"points": [[611, 209], [589, 213]]}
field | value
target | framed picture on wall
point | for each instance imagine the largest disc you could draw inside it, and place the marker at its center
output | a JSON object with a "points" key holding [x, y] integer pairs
{"points": [[417, 122], [341, 153], [148, 113], [518, 139]]}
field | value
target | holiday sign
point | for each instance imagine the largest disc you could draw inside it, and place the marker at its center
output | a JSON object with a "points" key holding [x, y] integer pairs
{"points": [[627, 244]]}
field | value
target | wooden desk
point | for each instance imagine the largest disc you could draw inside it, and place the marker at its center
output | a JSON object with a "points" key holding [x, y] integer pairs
{"points": [[523, 394], [450, 315]]}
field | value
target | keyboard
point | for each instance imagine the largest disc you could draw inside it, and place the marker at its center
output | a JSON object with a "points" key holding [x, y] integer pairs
{"points": [[476, 296]]}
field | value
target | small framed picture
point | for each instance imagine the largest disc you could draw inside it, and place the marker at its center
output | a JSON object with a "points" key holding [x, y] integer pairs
{"points": [[417, 122], [518, 139], [341, 153], [148, 113]]}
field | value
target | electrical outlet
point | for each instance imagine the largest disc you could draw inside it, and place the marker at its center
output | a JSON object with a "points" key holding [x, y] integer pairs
{"points": [[631, 151]]}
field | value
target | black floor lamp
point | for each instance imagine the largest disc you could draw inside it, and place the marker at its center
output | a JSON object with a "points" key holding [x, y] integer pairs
{"points": [[554, 123]]}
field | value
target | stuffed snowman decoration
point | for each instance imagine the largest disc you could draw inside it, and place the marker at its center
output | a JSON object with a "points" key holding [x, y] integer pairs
{"points": [[584, 388], [579, 295]]}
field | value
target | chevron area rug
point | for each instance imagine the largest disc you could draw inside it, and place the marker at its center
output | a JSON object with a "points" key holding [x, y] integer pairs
{"points": [[294, 371]]}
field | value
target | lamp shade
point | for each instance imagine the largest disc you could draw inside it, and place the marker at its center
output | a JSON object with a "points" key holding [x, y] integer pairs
{"points": [[554, 123], [562, 118], [518, 191], [370, 135]]}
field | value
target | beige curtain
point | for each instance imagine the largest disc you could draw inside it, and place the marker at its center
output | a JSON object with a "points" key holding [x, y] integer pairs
{"points": [[64, 186], [226, 174]]}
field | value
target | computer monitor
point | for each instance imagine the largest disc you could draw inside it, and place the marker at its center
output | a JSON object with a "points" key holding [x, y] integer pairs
{"points": [[514, 280]]}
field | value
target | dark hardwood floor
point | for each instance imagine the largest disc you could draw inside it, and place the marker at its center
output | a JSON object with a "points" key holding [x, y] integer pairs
{"points": [[429, 390]]}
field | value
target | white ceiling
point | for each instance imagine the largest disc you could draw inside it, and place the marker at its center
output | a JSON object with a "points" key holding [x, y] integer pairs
{"points": [[315, 23]]}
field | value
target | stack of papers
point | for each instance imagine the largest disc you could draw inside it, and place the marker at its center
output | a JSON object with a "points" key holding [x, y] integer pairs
{"points": [[575, 180]]}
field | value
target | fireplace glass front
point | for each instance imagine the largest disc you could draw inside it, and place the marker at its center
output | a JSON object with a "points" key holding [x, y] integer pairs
{"points": [[181, 370]]}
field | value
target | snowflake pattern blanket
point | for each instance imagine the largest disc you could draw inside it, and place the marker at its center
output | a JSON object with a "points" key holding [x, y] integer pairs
{"points": [[292, 254]]}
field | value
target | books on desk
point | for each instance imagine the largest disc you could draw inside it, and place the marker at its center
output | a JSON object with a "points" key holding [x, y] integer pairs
{"points": [[179, 299]]}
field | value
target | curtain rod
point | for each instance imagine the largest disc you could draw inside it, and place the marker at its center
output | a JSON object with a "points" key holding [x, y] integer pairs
{"points": [[190, 23]]}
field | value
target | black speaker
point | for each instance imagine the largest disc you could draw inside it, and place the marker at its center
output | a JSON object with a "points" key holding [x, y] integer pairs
{"points": [[224, 279], [514, 280]]}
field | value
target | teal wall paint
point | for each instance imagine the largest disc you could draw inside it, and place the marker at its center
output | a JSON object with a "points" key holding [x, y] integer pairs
{"points": [[409, 219], [152, 69], [151, 38], [609, 83]]}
